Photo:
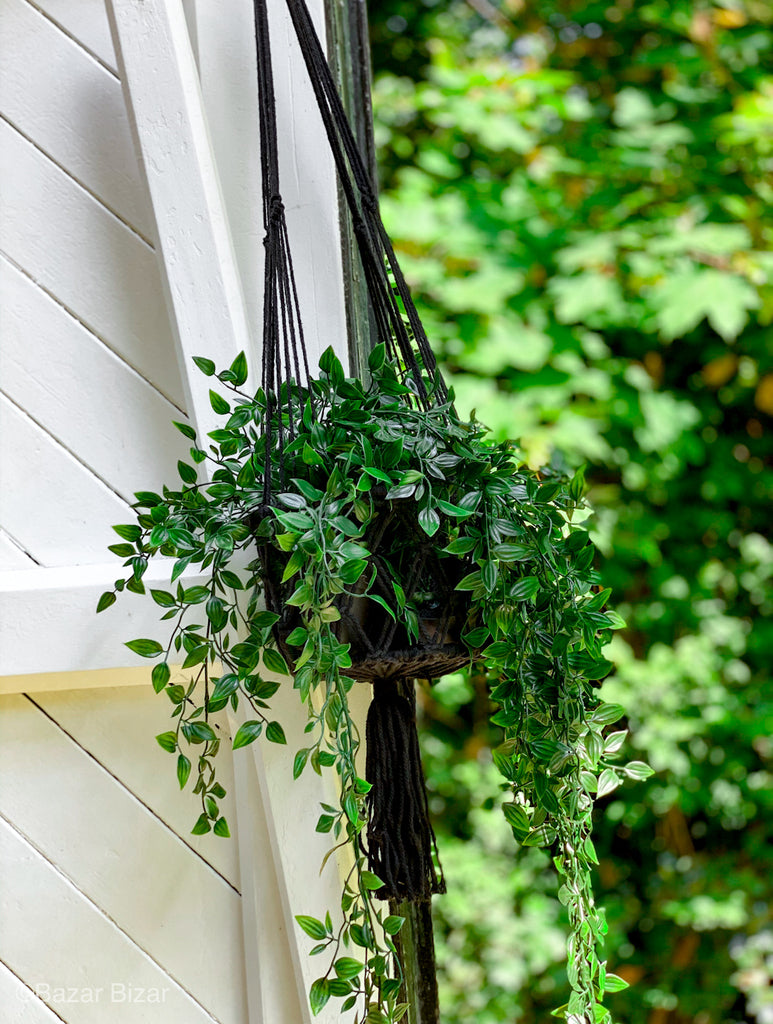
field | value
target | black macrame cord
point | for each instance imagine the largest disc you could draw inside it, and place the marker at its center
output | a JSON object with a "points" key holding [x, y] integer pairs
{"points": [[401, 845]]}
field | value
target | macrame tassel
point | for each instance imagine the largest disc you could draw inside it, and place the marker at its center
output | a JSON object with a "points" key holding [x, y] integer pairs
{"points": [[400, 837]]}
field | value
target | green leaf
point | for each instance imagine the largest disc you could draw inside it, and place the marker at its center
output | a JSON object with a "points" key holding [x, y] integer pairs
{"points": [[524, 588], [300, 761], [221, 829], [325, 823], [376, 358], [429, 521], [195, 595], [614, 983], [187, 473], [516, 817], [186, 429], [638, 770], [105, 600], [145, 648], [206, 366], [247, 733], [608, 782], [160, 676], [163, 598], [275, 733], [239, 369], [167, 741], [183, 770], [202, 826], [371, 881], [471, 581], [128, 532], [274, 662], [347, 967], [313, 927], [393, 924], [351, 571], [606, 714], [218, 403], [320, 990]]}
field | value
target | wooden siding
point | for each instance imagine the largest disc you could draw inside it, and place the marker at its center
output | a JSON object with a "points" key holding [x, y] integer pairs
{"points": [[89, 380], [101, 884]]}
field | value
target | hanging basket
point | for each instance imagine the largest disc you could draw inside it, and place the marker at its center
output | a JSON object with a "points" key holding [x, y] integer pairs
{"points": [[385, 643]]}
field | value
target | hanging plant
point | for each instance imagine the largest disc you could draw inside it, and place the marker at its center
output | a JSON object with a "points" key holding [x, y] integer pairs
{"points": [[353, 531]]}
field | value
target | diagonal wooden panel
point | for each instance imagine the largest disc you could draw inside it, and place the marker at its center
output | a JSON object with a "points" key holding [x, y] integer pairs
{"points": [[20, 1004], [83, 394], [91, 262], [71, 106], [85, 21], [122, 858], [12, 556], [117, 726], [50, 504], [55, 940]]}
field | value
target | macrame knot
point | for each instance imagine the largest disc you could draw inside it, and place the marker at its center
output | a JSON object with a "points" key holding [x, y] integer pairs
{"points": [[276, 209], [400, 837]]}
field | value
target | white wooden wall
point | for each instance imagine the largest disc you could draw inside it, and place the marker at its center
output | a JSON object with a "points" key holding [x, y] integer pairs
{"points": [[110, 911]]}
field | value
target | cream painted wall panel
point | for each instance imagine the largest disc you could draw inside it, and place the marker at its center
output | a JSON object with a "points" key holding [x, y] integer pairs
{"points": [[85, 21], [56, 94], [118, 726], [52, 935], [122, 858], [20, 1004], [75, 249], [50, 504], [83, 394]]}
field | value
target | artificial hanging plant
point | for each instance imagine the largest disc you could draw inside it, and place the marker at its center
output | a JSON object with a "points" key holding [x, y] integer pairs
{"points": [[360, 530]]}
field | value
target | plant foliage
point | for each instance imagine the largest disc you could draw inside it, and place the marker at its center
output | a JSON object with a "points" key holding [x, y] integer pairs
{"points": [[536, 624]]}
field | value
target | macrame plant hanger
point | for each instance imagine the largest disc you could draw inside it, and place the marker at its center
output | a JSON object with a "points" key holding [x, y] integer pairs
{"points": [[400, 842]]}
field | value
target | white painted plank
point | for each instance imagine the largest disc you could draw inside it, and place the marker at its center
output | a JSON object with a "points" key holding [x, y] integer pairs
{"points": [[60, 604], [54, 507], [55, 939], [122, 857], [298, 849], [83, 394], [117, 726], [272, 992], [12, 556], [85, 21], [20, 1004], [70, 106], [203, 288], [74, 248]]}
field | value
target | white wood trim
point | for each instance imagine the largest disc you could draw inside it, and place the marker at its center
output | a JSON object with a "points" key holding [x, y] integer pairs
{"points": [[48, 625], [163, 97]]}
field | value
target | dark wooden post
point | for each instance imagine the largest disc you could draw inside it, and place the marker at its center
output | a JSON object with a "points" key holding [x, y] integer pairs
{"points": [[349, 52]]}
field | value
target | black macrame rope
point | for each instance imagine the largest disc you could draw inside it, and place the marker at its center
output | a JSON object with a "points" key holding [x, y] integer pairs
{"points": [[400, 841], [376, 251]]}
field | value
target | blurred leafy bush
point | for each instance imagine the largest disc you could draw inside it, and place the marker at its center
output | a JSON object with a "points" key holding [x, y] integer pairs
{"points": [[582, 197]]}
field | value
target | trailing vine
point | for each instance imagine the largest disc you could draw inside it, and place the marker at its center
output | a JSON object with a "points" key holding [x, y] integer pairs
{"points": [[341, 452]]}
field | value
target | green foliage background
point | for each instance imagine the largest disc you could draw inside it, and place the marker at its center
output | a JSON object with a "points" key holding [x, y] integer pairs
{"points": [[581, 195]]}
